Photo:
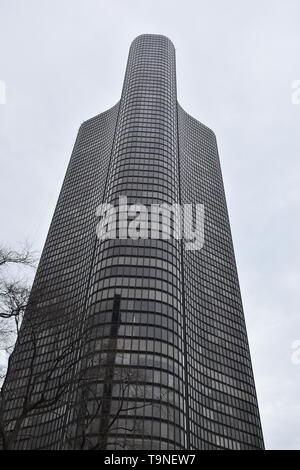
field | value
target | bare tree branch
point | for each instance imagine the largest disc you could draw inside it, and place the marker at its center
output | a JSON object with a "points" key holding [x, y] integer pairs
{"points": [[25, 256], [14, 297], [44, 400]]}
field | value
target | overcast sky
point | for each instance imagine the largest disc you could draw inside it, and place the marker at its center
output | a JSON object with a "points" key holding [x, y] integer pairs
{"points": [[63, 61]]}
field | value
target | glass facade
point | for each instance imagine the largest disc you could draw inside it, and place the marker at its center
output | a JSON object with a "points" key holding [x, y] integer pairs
{"points": [[222, 404], [139, 343]]}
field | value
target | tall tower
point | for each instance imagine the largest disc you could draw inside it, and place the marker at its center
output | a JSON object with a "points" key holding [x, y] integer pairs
{"points": [[136, 343]]}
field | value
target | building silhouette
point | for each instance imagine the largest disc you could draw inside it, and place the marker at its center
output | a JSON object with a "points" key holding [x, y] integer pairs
{"points": [[136, 343]]}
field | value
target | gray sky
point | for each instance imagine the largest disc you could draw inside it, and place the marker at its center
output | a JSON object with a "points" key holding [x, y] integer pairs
{"points": [[63, 61]]}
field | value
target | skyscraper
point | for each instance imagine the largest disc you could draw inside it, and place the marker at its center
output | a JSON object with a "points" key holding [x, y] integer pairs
{"points": [[136, 343]]}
